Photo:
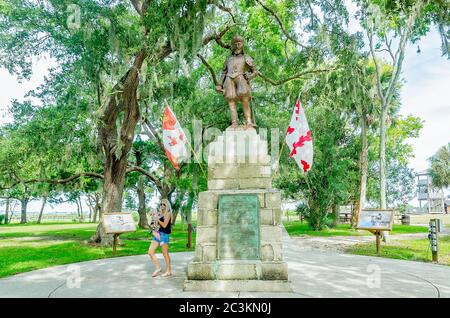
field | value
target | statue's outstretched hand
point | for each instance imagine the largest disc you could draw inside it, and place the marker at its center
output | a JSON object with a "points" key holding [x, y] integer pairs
{"points": [[219, 88]]}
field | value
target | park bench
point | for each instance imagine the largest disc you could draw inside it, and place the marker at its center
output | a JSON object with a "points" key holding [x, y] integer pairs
{"points": [[345, 217]]}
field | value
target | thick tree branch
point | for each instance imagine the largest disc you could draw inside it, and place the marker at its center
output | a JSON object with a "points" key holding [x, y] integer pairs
{"points": [[129, 95], [388, 45], [313, 15], [377, 64], [137, 6], [397, 58], [223, 8], [140, 6], [400, 54], [218, 37], [295, 76], [165, 51], [153, 132], [148, 174], [167, 48], [280, 23], [57, 181], [210, 69]]}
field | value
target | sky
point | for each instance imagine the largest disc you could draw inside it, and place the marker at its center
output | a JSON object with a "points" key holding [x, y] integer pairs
{"points": [[426, 94]]}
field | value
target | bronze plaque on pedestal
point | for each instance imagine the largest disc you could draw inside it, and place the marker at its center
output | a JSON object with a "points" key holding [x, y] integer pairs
{"points": [[238, 227]]}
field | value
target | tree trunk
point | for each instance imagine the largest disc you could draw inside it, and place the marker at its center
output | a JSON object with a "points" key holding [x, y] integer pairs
{"points": [[355, 209], [116, 146], [23, 208], [7, 211], [335, 209], [112, 198], [78, 208], [94, 219], [142, 211], [90, 213], [90, 205], [189, 205], [97, 208], [383, 204], [81, 209], [44, 200], [383, 183], [364, 169], [177, 205], [182, 220]]}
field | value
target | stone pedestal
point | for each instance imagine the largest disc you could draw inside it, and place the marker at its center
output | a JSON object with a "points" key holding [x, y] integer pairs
{"points": [[238, 245]]}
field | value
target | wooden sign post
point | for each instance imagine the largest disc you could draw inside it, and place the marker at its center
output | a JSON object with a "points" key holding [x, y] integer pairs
{"points": [[375, 221], [117, 223]]}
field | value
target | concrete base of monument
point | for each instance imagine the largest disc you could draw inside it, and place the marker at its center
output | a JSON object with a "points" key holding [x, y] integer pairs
{"points": [[269, 286], [238, 275], [238, 270]]}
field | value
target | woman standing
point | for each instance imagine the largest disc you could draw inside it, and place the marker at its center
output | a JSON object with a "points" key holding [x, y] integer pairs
{"points": [[164, 231]]}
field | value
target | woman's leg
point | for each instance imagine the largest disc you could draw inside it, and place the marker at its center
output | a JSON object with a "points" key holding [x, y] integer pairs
{"points": [[165, 251], [151, 252]]}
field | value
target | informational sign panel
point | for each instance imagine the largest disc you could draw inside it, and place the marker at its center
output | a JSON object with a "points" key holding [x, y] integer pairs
{"points": [[376, 220], [238, 227], [117, 223]]}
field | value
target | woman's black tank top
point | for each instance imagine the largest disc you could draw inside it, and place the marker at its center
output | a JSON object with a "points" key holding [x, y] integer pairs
{"points": [[167, 229]]}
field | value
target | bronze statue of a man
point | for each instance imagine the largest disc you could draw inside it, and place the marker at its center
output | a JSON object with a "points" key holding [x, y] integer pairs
{"points": [[237, 72]]}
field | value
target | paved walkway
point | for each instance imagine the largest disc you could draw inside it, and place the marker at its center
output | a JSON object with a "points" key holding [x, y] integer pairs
{"points": [[312, 274]]}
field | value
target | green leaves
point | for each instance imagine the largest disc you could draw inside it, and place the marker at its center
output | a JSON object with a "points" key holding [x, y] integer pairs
{"points": [[55, 134], [440, 167]]}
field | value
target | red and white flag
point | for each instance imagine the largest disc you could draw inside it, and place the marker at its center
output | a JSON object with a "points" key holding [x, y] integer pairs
{"points": [[298, 138], [174, 138]]}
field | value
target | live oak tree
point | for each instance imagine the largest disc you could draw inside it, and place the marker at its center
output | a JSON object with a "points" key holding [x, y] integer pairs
{"points": [[119, 60], [108, 44], [390, 26]]}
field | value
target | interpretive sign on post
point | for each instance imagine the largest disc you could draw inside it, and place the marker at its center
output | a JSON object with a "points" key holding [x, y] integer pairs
{"points": [[375, 221], [117, 223]]}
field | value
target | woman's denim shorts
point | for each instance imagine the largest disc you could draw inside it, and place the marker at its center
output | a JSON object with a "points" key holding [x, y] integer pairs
{"points": [[164, 238]]}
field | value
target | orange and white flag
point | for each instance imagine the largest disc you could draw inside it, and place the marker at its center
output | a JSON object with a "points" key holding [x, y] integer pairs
{"points": [[174, 138], [298, 138]]}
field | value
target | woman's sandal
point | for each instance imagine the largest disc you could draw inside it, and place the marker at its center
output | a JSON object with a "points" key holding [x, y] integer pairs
{"points": [[166, 274], [156, 272]]}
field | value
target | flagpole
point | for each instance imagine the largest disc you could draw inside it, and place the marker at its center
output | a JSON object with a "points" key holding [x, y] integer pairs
{"points": [[196, 158], [284, 138], [281, 151], [192, 150]]}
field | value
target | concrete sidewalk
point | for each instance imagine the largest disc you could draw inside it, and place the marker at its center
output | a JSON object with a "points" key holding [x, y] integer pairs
{"points": [[312, 274]]}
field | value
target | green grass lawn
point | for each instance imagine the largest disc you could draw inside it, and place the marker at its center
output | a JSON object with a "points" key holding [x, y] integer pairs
{"points": [[295, 228], [414, 250], [30, 247]]}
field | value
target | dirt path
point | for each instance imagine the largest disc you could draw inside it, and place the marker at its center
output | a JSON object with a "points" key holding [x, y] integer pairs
{"points": [[341, 243]]}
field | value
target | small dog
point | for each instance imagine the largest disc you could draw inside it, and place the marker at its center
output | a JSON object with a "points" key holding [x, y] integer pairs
{"points": [[154, 225]]}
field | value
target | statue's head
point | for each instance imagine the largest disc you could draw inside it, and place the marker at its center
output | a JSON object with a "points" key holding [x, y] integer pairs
{"points": [[237, 44]]}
